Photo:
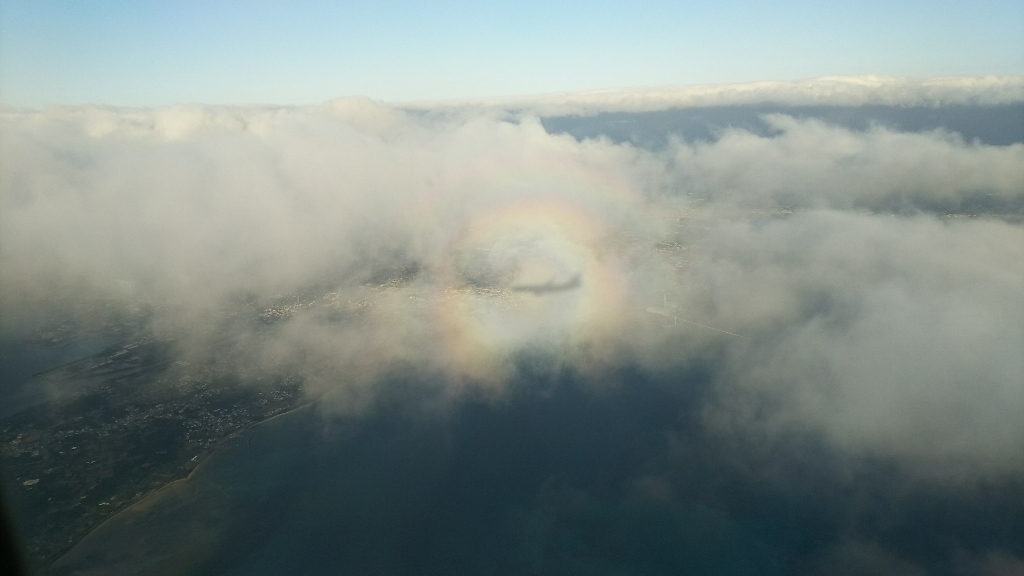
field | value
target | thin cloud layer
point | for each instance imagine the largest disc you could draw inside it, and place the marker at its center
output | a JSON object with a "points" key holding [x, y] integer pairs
{"points": [[828, 90], [895, 336], [811, 164], [865, 286]]}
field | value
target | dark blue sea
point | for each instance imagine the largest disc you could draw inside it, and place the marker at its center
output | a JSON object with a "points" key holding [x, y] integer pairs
{"points": [[558, 476]]}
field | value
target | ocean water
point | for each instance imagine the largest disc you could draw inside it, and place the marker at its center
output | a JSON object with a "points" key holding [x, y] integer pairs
{"points": [[559, 476], [21, 361]]}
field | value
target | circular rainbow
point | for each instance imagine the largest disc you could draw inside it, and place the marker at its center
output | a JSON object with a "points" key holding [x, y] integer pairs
{"points": [[526, 269]]}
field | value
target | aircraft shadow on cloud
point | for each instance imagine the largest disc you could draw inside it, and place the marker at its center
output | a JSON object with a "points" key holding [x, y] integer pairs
{"points": [[549, 286]]}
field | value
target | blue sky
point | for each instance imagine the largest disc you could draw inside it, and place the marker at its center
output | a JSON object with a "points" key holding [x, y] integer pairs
{"points": [[157, 53]]}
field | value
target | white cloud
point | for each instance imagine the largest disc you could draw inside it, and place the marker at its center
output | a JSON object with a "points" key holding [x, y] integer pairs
{"points": [[895, 336], [892, 334], [814, 164], [828, 91]]}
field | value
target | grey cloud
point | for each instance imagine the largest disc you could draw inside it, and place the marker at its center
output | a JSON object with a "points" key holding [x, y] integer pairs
{"points": [[862, 314], [895, 336], [192, 208], [812, 164]]}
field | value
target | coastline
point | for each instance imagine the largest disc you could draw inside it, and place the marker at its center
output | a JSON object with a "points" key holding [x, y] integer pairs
{"points": [[152, 497]]}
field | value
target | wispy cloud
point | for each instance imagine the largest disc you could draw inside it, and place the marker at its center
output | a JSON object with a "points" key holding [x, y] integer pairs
{"points": [[875, 276]]}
